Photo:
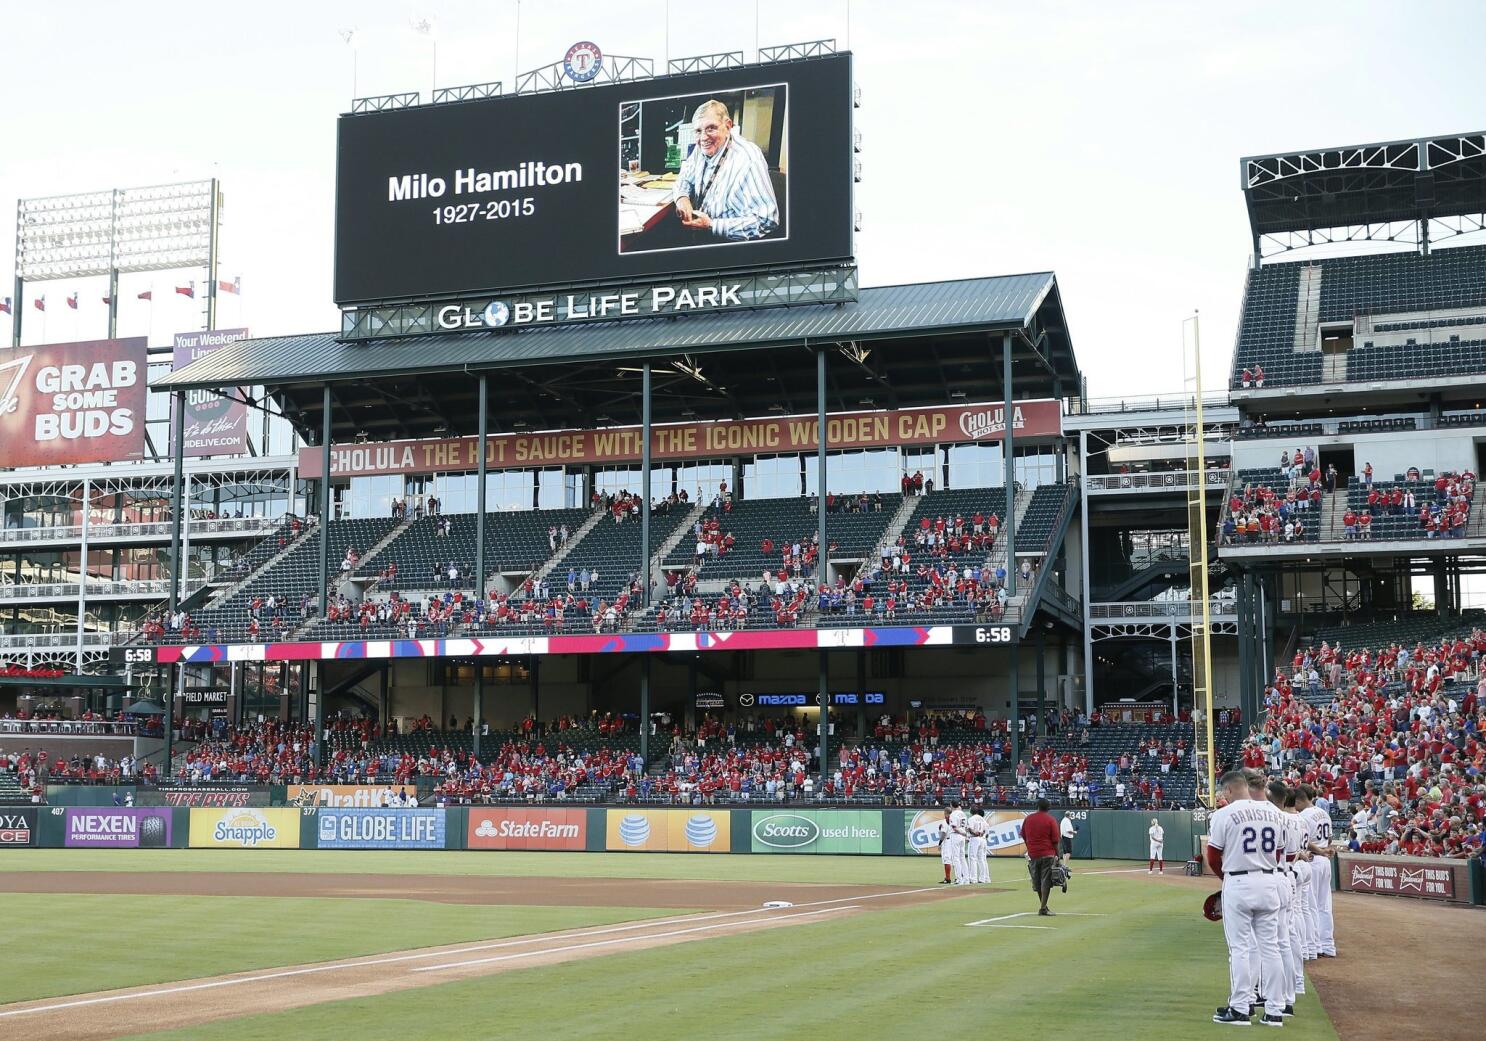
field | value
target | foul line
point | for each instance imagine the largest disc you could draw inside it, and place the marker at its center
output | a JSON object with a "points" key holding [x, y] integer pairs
{"points": [[991, 923], [394, 959], [624, 939]]}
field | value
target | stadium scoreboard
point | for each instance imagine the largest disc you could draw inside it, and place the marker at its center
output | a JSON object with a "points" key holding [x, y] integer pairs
{"points": [[581, 187]]}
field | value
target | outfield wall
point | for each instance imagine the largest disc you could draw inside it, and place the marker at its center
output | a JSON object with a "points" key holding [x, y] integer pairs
{"points": [[262, 820]]}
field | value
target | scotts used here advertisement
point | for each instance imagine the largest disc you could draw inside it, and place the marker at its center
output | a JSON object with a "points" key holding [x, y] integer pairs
{"points": [[117, 828], [668, 831], [1003, 838], [817, 831], [491, 827], [17, 826], [379, 829], [73, 402], [245, 828]]}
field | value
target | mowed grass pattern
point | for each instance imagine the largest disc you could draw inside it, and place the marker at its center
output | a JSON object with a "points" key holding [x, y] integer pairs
{"points": [[1150, 969], [71, 944]]}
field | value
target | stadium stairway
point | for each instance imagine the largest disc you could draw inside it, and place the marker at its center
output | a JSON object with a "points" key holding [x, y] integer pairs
{"points": [[683, 531], [574, 538], [1332, 508], [897, 525], [267, 554]]}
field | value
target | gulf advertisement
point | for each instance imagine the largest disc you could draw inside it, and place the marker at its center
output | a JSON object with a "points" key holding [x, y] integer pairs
{"points": [[668, 831], [816, 831], [73, 402], [215, 424], [379, 829], [1003, 839], [960, 424], [245, 828], [493, 827], [116, 828], [350, 796]]}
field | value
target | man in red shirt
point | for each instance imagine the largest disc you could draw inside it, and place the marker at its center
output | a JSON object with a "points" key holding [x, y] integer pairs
{"points": [[1040, 833]]}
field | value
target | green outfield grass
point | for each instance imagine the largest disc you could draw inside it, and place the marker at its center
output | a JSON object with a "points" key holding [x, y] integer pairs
{"points": [[721, 867], [78, 943], [1151, 969]]}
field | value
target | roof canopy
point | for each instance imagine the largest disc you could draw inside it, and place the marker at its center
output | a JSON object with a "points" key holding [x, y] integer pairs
{"points": [[895, 347], [1358, 185]]}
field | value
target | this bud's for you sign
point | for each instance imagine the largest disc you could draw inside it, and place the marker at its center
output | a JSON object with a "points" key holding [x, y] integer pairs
{"points": [[73, 402]]}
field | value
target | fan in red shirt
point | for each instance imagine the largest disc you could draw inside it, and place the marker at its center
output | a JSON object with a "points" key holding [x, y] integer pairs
{"points": [[1040, 833]]}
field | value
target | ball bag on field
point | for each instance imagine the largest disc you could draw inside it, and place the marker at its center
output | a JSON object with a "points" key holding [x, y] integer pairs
{"points": [[1212, 907]]}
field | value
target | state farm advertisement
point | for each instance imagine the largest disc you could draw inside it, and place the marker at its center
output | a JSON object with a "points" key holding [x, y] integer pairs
{"points": [[117, 828], [956, 424], [496, 828], [215, 424], [73, 402]]}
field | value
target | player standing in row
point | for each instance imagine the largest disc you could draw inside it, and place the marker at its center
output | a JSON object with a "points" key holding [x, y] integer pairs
{"points": [[1260, 790], [1292, 946], [1318, 841], [944, 833], [959, 824], [1243, 843], [1300, 906], [980, 871], [1158, 848]]}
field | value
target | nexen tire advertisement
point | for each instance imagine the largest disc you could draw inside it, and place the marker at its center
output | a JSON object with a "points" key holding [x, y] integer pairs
{"points": [[816, 831], [380, 829]]}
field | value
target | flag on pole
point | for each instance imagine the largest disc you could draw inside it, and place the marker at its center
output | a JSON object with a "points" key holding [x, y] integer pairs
{"points": [[72, 301], [187, 290], [147, 295], [40, 303], [235, 286], [5, 305], [108, 301]]}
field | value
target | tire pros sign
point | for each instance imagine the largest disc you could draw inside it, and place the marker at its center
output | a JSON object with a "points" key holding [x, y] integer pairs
{"points": [[73, 402]]}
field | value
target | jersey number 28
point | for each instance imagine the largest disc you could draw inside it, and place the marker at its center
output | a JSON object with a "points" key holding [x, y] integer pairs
{"points": [[1258, 840]]}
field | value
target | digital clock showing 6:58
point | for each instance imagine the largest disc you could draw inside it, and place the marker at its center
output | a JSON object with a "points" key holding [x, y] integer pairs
{"points": [[495, 209], [992, 634]]}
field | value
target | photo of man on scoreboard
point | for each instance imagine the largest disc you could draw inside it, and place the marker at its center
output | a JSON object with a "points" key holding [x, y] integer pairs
{"points": [[703, 170]]}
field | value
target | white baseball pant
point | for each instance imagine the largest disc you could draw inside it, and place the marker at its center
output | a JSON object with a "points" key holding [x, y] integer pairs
{"points": [[980, 871], [1321, 899], [1300, 873], [1251, 920], [1306, 878]]}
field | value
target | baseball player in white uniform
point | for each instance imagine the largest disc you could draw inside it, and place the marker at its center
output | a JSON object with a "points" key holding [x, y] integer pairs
{"points": [[959, 825], [945, 833], [1244, 841], [1300, 874], [1318, 840], [1284, 881], [1158, 847], [980, 871]]}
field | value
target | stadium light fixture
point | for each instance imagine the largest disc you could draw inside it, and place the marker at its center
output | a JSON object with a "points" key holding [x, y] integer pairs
{"points": [[126, 230]]}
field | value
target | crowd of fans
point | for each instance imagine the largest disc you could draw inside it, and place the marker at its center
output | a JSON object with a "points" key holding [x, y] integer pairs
{"points": [[1390, 736]]}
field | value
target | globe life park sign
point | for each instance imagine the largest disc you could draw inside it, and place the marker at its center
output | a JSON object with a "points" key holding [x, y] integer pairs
{"points": [[561, 308], [565, 305]]}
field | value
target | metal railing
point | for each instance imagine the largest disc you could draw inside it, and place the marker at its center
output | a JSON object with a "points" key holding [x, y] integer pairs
{"points": [[67, 590], [58, 640], [198, 529], [1160, 480], [1168, 403], [79, 727], [1127, 609]]}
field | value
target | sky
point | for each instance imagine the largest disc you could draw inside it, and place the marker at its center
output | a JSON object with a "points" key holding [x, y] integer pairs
{"points": [[1098, 140]]}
